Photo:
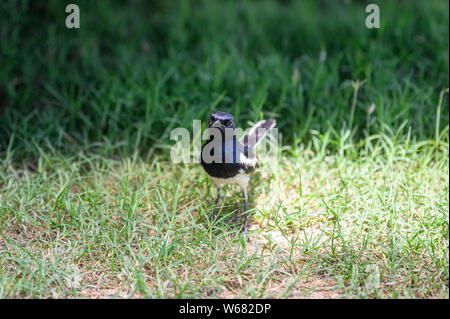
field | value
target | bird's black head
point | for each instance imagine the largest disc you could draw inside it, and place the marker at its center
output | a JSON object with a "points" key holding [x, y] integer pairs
{"points": [[221, 120]]}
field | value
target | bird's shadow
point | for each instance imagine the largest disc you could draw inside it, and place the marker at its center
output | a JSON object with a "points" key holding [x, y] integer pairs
{"points": [[230, 209]]}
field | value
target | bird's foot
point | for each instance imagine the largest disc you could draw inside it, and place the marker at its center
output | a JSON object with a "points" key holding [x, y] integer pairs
{"points": [[245, 231], [214, 215]]}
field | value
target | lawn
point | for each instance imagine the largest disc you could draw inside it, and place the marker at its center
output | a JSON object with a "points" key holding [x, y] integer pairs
{"points": [[91, 205]]}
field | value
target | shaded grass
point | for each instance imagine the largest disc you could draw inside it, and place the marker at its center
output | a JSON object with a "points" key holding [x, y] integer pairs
{"points": [[135, 70]]}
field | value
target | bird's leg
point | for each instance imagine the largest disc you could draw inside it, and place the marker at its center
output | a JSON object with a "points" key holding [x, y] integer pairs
{"points": [[245, 211], [219, 190]]}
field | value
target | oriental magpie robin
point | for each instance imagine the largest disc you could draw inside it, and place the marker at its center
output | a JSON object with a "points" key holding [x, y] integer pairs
{"points": [[226, 160]]}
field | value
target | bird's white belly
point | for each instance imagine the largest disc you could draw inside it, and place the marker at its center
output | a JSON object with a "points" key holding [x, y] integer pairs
{"points": [[240, 179]]}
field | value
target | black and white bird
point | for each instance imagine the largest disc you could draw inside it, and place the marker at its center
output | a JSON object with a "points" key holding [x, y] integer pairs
{"points": [[226, 160]]}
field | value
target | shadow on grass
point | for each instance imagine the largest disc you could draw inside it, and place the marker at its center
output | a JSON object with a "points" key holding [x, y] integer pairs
{"points": [[230, 213]]}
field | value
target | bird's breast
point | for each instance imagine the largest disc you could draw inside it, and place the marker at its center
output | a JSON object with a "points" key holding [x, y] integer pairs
{"points": [[229, 162]]}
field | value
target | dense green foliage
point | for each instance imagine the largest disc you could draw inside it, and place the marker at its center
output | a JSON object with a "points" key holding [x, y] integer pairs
{"points": [[135, 69]]}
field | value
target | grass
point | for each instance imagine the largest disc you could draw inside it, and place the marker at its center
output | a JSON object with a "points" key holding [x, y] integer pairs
{"points": [[90, 205], [87, 226]]}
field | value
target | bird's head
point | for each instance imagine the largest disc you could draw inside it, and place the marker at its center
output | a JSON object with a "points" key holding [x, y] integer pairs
{"points": [[221, 120]]}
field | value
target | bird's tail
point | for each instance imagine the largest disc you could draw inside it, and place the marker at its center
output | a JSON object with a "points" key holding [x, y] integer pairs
{"points": [[257, 133]]}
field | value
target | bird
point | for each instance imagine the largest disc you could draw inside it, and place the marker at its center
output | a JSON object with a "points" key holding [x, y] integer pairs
{"points": [[228, 161]]}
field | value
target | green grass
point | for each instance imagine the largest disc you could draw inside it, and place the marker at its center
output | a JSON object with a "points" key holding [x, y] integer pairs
{"points": [[90, 205], [327, 225]]}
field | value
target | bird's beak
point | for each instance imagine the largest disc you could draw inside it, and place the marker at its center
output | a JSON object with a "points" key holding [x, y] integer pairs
{"points": [[217, 124]]}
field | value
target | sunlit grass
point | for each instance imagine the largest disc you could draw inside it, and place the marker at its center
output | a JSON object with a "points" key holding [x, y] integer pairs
{"points": [[322, 225]]}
